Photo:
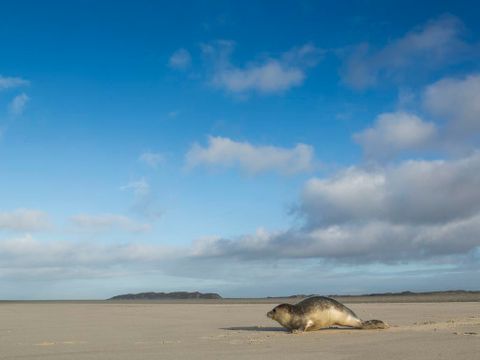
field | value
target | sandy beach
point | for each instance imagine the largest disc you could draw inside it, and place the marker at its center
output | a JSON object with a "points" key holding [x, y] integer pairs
{"points": [[124, 330]]}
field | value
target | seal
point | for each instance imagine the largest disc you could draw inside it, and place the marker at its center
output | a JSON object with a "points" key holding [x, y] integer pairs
{"points": [[319, 312]]}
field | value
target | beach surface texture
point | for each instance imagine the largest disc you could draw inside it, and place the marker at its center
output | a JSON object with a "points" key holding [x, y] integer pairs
{"points": [[129, 330]]}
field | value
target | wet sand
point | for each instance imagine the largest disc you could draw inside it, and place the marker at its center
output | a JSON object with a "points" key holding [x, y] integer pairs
{"points": [[129, 330]]}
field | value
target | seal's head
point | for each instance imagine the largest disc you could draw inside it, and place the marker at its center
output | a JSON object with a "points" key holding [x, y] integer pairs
{"points": [[281, 313]]}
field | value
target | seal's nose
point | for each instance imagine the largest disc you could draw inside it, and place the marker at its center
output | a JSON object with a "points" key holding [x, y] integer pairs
{"points": [[270, 314]]}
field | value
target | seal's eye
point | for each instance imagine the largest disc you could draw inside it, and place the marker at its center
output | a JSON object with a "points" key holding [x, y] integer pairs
{"points": [[274, 310]]}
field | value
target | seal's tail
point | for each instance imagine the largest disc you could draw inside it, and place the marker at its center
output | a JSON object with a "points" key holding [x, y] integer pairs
{"points": [[374, 324]]}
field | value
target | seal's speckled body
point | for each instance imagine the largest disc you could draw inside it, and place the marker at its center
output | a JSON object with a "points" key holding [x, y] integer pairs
{"points": [[319, 312]]}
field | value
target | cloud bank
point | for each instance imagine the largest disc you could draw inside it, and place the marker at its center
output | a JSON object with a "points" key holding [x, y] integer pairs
{"points": [[24, 220], [414, 211], [103, 222]]}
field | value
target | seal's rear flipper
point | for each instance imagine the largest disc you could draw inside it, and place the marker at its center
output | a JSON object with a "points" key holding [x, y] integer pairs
{"points": [[374, 324]]}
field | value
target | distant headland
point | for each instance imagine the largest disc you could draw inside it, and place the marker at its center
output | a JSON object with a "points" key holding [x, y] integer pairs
{"points": [[178, 295]]}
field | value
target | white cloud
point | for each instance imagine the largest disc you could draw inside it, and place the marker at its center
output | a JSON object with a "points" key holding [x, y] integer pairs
{"points": [[24, 220], [103, 222], [413, 191], [12, 82], [152, 159], [18, 104], [268, 77], [180, 59], [225, 152], [349, 195], [457, 101], [437, 43], [396, 132], [271, 75], [139, 187]]}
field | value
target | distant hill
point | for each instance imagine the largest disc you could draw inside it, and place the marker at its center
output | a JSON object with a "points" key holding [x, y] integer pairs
{"points": [[391, 297], [400, 294], [411, 293], [178, 295]]}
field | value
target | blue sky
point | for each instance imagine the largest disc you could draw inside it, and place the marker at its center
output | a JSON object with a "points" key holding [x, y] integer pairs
{"points": [[269, 149]]}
